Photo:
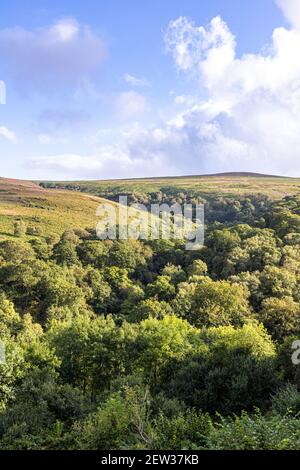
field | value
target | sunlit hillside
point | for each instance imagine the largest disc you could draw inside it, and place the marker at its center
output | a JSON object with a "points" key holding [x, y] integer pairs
{"points": [[51, 211], [227, 184]]}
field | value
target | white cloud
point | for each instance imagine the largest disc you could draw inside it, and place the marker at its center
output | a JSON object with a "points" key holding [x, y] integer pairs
{"points": [[130, 105], [62, 53], [46, 139], [7, 134], [65, 30], [135, 81], [250, 118], [66, 162], [110, 162], [186, 100], [291, 11], [191, 45]]}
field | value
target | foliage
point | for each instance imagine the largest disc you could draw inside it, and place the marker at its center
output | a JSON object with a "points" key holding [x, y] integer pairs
{"points": [[132, 344]]}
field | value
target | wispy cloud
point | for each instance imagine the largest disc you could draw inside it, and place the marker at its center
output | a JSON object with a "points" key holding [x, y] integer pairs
{"points": [[61, 53], [135, 81], [46, 139], [130, 104], [58, 118], [111, 161], [7, 134]]}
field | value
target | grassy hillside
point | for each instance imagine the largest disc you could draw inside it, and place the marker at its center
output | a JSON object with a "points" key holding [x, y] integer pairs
{"points": [[226, 184], [52, 211], [52, 207]]}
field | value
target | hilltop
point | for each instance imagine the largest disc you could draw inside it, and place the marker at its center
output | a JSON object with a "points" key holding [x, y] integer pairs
{"points": [[240, 183]]}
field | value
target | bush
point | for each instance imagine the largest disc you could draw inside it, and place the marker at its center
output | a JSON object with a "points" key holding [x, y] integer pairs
{"points": [[189, 430], [287, 400], [34, 231], [256, 432]]}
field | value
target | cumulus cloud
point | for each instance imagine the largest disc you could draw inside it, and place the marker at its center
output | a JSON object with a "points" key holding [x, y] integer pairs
{"points": [[291, 11], [130, 104], [110, 162], [7, 134], [135, 81], [248, 117], [63, 52]]}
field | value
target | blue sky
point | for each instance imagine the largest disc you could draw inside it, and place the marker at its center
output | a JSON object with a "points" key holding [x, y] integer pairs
{"points": [[114, 88]]}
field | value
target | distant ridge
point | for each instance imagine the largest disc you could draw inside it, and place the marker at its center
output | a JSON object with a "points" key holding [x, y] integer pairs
{"points": [[232, 174], [243, 174], [12, 183], [34, 184], [229, 183], [240, 174]]}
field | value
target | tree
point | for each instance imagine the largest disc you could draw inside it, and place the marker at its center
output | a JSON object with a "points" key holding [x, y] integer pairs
{"points": [[65, 252], [34, 230], [128, 254], [204, 302], [21, 283], [10, 321], [159, 341], [255, 253], [281, 317], [14, 251], [41, 248], [287, 401], [91, 351], [150, 308], [197, 268], [255, 432], [93, 252], [100, 290], [39, 405], [59, 289], [236, 372], [121, 421], [162, 288], [252, 282], [219, 245], [188, 429], [165, 252], [11, 371], [176, 273], [277, 282], [19, 228]]}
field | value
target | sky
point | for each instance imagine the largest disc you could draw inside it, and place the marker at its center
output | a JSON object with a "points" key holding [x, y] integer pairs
{"points": [[116, 89]]}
